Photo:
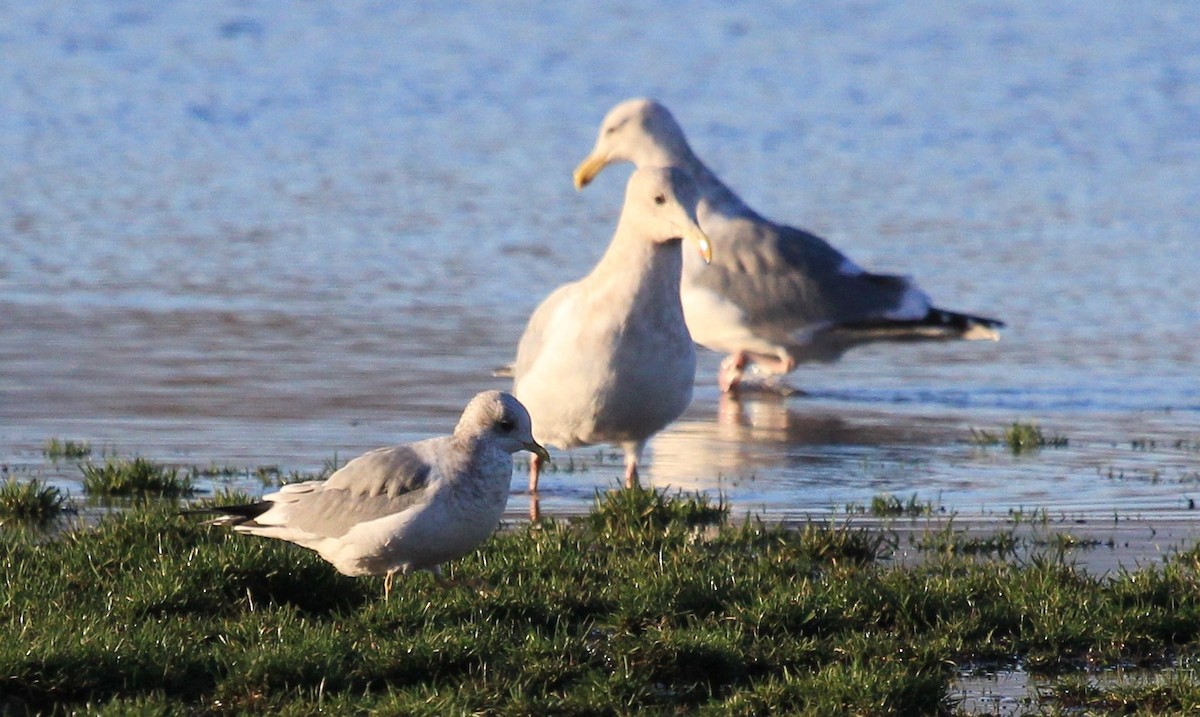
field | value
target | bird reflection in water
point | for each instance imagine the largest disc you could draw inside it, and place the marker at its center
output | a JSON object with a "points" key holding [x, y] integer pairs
{"points": [[775, 443]]}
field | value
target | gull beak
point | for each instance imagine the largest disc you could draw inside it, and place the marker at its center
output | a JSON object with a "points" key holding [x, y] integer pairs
{"points": [[536, 448], [697, 235], [588, 169]]}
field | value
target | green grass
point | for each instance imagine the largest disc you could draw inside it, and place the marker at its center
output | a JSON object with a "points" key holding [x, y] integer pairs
{"points": [[639, 512], [886, 505], [653, 603], [1169, 693], [952, 541], [1019, 437], [55, 449], [137, 477], [31, 501], [270, 476]]}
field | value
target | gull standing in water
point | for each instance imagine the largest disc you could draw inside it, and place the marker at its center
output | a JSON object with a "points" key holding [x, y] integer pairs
{"points": [[608, 358], [774, 296]]}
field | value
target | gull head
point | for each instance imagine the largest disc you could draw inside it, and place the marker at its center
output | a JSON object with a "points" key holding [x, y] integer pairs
{"points": [[499, 417], [639, 130], [661, 202]]}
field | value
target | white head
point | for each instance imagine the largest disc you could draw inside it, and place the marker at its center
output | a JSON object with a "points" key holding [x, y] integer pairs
{"points": [[500, 417], [661, 202], [640, 131]]}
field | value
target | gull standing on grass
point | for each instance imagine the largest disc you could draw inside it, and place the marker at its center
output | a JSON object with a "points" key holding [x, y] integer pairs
{"points": [[775, 296], [608, 358], [405, 508]]}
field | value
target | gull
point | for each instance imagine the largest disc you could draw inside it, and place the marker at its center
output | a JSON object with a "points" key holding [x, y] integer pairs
{"points": [[608, 358], [774, 296], [404, 508]]}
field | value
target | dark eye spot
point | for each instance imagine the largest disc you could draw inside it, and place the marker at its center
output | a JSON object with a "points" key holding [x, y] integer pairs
{"points": [[506, 425], [610, 130], [660, 199]]}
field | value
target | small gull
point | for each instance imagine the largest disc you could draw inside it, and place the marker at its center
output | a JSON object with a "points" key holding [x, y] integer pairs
{"points": [[774, 296], [404, 508], [608, 358]]}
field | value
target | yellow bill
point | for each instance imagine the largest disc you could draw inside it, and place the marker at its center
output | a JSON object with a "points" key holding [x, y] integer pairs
{"points": [[537, 449], [588, 169], [697, 235]]}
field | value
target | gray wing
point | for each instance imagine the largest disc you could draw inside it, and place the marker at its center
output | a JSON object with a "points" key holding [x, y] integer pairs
{"points": [[393, 472], [786, 278], [376, 484]]}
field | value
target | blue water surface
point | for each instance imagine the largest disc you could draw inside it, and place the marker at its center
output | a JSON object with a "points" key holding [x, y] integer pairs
{"points": [[262, 233]]}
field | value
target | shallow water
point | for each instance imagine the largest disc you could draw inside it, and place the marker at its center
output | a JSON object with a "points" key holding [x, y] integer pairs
{"points": [[266, 234]]}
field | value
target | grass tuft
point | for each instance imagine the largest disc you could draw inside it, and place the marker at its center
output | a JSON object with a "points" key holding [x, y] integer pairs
{"points": [[138, 477], [1171, 693], [56, 449], [638, 512], [31, 501], [842, 545], [950, 541], [1019, 437], [890, 506], [225, 496]]}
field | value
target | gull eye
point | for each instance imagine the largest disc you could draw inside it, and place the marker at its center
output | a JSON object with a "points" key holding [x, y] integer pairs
{"points": [[660, 199], [615, 126], [506, 425]]}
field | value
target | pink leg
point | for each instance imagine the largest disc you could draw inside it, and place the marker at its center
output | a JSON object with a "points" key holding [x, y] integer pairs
{"points": [[535, 467], [730, 373], [732, 368], [631, 474], [775, 365]]}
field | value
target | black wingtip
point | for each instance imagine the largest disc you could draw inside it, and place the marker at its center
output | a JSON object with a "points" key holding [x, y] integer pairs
{"points": [[943, 324], [941, 317], [232, 514]]}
